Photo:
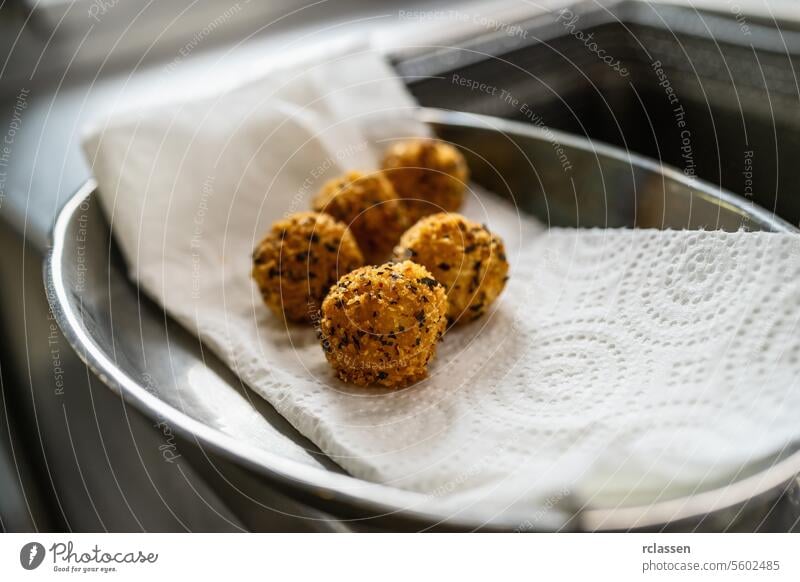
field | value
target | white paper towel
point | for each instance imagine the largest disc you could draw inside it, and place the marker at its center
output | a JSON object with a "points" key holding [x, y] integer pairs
{"points": [[616, 365]]}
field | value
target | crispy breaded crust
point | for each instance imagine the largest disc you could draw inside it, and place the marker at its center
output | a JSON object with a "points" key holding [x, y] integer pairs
{"points": [[369, 206], [430, 176], [461, 254], [380, 325], [299, 259]]}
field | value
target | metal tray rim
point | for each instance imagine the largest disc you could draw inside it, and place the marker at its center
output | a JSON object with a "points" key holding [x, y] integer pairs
{"points": [[376, 500]]}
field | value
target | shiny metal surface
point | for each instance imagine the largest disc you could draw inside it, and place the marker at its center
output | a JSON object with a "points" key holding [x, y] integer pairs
{"points": [[739, 92], [125, 338]]}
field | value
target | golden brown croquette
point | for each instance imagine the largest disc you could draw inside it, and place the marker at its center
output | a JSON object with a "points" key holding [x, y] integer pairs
{"points": [[430, 176], [299, 259], [380, 324], [464, 256], [369, 206]]}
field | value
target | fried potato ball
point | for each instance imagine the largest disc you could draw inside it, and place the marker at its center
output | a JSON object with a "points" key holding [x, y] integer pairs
{"points": [[430, 176], [369, 206], [380, 325], [299, 259], [464, 256]]}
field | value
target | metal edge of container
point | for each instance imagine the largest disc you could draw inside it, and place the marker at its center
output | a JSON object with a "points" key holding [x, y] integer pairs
{"points": [[375, 500]]}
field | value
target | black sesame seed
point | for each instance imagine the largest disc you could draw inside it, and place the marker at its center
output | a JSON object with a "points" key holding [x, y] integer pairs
{"points": [[444, 266]]}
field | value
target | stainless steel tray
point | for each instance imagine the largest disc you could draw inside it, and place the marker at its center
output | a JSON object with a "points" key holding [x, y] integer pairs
{"points": [[134, 347]]}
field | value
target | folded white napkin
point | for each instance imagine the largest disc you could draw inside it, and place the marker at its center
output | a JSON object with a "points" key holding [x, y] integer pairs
{"points": [[617, 365]]}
